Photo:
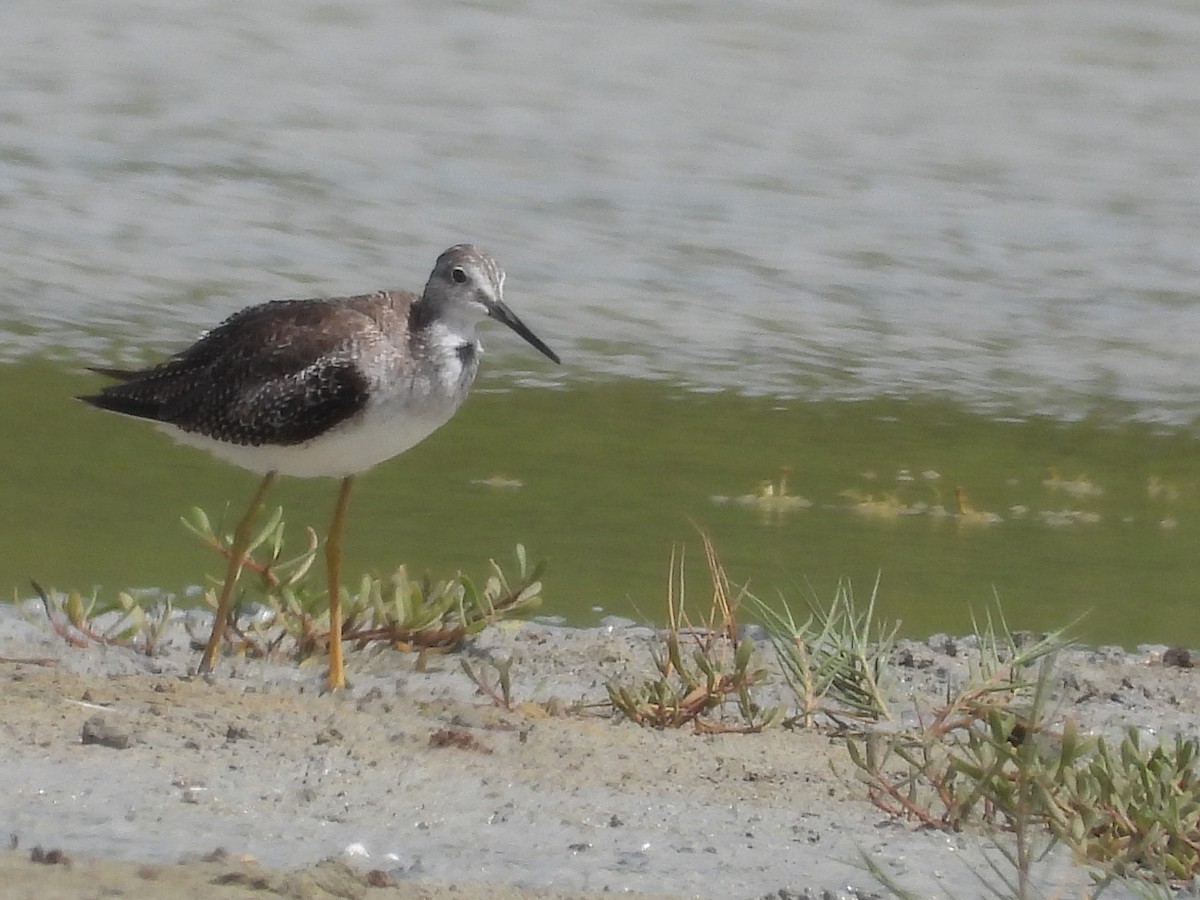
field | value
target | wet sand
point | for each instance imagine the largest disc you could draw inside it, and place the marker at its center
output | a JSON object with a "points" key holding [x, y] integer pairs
{"points": [[412, 784]]}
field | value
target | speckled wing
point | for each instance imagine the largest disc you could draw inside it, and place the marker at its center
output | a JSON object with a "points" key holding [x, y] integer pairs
{"points": [[279, 373]]}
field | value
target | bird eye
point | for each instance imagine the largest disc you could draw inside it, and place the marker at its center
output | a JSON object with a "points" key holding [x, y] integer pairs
{"points": [[458, 275]]}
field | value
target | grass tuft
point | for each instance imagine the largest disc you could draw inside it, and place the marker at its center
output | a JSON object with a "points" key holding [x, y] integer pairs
{"points": [[403, 612], [836, 660], [135, 623], [700, 668], [293, 616]]}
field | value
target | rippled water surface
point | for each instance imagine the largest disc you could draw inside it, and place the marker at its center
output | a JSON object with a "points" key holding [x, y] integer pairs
{"points": [[984, 212]]}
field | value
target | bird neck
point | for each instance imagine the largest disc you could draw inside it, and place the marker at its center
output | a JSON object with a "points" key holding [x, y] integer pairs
{"points": [[421, 315], [448, 324], [448, 354]]}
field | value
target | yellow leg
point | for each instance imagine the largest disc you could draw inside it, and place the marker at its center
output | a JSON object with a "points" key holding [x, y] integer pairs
{"points": [[333, 564], [237, 557]]}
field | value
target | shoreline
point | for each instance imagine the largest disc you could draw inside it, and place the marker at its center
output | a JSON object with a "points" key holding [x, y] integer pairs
{"points": [[417, 776]]}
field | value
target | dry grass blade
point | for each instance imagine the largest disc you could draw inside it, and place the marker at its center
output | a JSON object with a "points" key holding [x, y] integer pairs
{"points": [[499, 693], [695, 687]]}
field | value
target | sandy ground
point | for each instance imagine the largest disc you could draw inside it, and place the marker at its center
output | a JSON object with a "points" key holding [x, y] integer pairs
{"points": [[410, 784]]}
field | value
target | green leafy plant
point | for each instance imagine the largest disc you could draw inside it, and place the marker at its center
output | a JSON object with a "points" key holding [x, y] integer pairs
{"points": [[981, 758], [439, 615], [956, 767], [989, 757], [277, 582], [136, 623], [836, 660], [406, 613], [1133, 809]]}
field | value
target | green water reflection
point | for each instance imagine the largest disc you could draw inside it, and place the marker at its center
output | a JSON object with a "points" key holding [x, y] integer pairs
{"points": [[612, 474]]}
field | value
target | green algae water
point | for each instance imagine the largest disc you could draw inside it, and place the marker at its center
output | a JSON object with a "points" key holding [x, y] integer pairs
{"points": [[950, 510], [891, 292]]}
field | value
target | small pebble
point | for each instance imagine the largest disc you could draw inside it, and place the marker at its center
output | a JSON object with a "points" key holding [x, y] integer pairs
{"points": [[97, 731]]}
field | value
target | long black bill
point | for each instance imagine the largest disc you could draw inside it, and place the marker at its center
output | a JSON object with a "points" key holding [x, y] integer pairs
{"points": [[501, 313]]}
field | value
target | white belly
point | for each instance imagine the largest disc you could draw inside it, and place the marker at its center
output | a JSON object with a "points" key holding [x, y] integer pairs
{"points": [[376, 436]]}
